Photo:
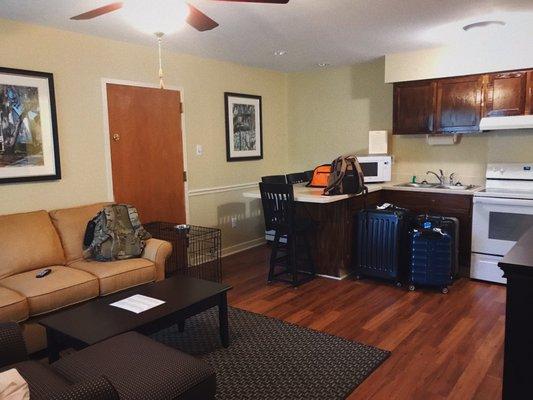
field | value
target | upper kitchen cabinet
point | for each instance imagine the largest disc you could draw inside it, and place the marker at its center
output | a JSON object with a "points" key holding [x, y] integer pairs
{"points": [[459, 104], [529, 99], [414, 107], [507, 94]]}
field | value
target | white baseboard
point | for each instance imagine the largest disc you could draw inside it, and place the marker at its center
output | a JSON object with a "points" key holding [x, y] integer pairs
{"points": [[237, 248]]}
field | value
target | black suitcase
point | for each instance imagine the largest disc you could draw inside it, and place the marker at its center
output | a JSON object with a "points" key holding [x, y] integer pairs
{"points": [[382, 245], [433, 251]]}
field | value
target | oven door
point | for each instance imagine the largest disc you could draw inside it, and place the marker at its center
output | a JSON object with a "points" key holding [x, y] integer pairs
{"points": [[498, 223]]}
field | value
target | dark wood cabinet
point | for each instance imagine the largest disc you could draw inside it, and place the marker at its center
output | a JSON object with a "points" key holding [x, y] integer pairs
{"points": [[517, 266], [506, 94], [459, 103], [450, 205], [414, 107], [529, 97]]}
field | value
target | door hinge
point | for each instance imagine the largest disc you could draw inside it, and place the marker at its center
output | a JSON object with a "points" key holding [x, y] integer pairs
{"points": [[181, 107], [184, 176]]}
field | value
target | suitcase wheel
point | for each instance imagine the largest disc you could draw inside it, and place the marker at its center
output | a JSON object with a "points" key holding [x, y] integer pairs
{"points": [[398, 284], [358, 277], [444, 290], [412, 288]]}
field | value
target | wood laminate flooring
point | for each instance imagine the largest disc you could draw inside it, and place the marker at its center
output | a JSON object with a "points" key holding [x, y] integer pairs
{"points": [[443, 346]]}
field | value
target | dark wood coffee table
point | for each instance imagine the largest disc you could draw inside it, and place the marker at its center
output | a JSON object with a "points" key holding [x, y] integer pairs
{"points": [[97, 320]]}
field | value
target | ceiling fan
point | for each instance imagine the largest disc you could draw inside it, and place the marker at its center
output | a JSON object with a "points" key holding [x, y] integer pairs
{"points": [[196, 18]]}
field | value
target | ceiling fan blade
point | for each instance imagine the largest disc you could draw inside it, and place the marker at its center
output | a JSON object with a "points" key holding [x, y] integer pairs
{"points": [[99, 11], [259, 1], [199, 20]]}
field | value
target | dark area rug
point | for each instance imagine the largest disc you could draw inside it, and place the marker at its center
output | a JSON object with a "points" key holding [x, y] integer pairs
{"points": [[272, 359]]}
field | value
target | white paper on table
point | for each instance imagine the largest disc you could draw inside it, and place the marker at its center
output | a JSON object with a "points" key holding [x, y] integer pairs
{"points": [[137, 303]]}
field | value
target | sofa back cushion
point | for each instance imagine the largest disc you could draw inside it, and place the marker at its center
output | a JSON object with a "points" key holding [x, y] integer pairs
{"points": [[71, 224], [28, 241]]}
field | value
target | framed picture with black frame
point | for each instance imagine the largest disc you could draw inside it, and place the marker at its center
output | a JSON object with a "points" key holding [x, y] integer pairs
{"points": [[244, 129], [29, 149]]}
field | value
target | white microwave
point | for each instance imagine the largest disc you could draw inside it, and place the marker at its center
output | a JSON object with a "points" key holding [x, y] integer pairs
{"points": [[376, 168]]}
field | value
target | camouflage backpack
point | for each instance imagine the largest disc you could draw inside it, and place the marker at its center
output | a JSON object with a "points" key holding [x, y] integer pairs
{"points": [[115, 234]]}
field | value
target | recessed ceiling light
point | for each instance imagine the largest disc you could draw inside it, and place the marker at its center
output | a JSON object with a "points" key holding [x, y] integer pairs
{"points": [[482, 24], [323, 65], [280, 53]]}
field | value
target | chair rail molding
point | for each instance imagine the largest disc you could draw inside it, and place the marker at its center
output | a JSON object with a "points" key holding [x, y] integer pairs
{"points": [[220, 189]]}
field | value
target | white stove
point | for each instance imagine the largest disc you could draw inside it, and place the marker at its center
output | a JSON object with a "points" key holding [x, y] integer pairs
{"points": [[502, 213]]}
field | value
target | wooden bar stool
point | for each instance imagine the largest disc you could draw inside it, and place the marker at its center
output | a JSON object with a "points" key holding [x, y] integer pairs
{"points": [[294, 255]]}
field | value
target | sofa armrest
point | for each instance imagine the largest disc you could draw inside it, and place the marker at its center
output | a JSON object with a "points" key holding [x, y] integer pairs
{"points": [[12, 346], [99, 388], [157, 251]]}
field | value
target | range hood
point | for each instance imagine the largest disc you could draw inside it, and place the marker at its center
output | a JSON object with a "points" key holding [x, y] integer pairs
{"points": [[499, 123]]}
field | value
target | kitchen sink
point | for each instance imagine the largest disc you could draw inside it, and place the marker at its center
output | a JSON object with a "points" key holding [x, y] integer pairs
{"points": [[426, 185], [423, 185]]}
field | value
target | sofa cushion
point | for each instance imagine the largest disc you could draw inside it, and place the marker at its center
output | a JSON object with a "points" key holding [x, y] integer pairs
{"points": [[13, 306], [118, 275], [62, 287], [151, 371], [28, 241], [71, 224]]}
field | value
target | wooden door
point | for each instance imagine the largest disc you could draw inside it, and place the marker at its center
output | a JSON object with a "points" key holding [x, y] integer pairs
{"points": [[506, 94], [414, 107], [147, 151], [459, 104]]}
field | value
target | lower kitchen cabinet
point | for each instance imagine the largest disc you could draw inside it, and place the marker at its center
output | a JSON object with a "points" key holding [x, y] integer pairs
{"points": [[332, 241], [450, 205]]}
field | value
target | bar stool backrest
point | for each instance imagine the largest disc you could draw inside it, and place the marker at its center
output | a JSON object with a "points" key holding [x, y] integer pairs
{"points": [[297, 177], [278, 207], [274, 179]]}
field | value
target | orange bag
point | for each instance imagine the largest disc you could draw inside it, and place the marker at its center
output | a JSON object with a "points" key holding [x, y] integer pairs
{"points": [[320, 176]]}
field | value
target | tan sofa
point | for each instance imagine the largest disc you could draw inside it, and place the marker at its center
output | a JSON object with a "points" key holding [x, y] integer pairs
{"points": [[33, 241]]}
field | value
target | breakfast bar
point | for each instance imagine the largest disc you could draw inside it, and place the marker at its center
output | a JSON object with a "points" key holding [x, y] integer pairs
{"points": [[332, 240]]}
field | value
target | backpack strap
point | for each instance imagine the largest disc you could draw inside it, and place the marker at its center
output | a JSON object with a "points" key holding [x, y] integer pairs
{"points": [[139, 230], [337, 175]]}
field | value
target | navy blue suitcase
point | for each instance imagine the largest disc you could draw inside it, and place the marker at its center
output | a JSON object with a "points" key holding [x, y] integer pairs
{"points": [[433, 252], [381, 244]]}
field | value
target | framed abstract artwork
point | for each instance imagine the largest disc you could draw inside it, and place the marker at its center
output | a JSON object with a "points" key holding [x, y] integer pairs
{"points": [[244, 131], [29, 149]]}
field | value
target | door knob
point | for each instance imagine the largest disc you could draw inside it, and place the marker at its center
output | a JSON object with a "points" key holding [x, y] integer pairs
{"points": [[116, 137]]}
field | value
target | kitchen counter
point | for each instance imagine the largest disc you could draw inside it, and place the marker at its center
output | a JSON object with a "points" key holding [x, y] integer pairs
{"points": [[334, 216], [305, 194]]}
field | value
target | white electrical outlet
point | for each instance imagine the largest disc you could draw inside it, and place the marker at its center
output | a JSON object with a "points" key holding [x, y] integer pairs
{"points": [[233, 222], [199, 150]]}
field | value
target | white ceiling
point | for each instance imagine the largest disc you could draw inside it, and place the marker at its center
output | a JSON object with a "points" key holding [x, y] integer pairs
{"points": [[338, 32]]}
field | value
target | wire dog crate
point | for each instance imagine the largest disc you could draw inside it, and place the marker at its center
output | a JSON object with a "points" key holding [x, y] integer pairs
{"points": [[195, 249]]}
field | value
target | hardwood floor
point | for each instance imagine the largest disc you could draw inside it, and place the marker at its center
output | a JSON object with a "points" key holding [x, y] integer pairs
{"points": [[443, 346]]}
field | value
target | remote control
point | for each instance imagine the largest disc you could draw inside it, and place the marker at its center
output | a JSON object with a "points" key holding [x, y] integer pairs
{"points": [[43, 273]]}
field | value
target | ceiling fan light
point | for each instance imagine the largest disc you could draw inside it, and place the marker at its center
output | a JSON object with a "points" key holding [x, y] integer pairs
{"points": [[165, 16]]}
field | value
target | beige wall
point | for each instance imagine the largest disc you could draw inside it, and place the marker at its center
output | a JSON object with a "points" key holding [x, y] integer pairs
{"points": [[463, 59], [79, 63], [331, 112]]}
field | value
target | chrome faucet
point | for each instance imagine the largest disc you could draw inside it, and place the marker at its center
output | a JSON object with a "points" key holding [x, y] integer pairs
{"points": [[440, 177], [443, 180]]}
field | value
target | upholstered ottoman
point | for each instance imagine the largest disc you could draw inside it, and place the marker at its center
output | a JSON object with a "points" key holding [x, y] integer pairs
{"points": [[140, 368]]}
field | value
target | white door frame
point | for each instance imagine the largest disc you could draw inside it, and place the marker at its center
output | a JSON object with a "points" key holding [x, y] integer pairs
{"points": [[107, 143]]}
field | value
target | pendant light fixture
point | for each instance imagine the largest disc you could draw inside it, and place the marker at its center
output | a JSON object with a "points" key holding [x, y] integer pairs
{"points": [[159, 36]]}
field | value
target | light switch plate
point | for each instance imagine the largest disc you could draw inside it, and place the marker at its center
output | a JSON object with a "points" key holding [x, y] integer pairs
{"points": [[199, 150]]}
